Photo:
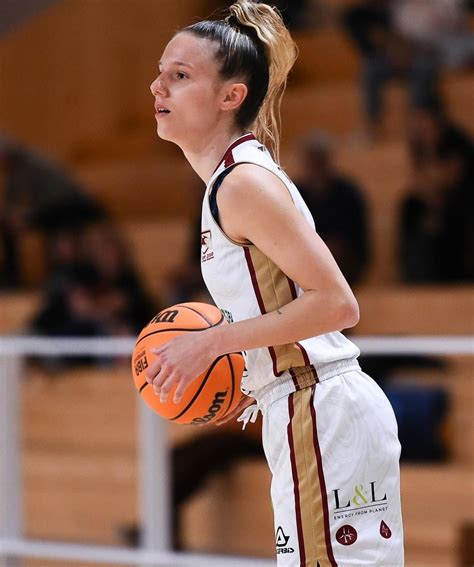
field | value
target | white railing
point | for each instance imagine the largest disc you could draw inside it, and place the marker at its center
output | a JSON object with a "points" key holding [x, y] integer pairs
{"points": [[154, 476]]}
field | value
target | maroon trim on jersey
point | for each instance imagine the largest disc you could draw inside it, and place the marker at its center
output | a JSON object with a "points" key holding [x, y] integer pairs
{"points": [[296, 486], [322, 482], [253, 277], [272, 352], [294, 295], [304, 353], [228, 157], [292, 286]]}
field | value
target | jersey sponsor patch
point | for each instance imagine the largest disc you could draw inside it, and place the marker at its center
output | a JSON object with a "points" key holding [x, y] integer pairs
{"points": [[206, 246]]}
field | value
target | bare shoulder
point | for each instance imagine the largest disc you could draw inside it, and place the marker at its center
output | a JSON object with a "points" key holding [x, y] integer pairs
{"points": [[248, 184], [252, 197]]}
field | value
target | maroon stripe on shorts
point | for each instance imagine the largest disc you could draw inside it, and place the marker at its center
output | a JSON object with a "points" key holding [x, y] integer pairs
{"points": [[294, 471], [322, 483], [294, 378]]}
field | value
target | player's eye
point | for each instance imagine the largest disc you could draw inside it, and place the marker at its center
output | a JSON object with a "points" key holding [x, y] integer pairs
{"points": [[180, 75]]}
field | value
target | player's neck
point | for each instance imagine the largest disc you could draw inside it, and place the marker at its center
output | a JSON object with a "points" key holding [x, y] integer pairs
{"points": [[205, 156]]}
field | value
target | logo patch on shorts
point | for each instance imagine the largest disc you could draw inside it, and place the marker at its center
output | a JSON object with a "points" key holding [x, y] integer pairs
{"points": [[385, 531], [368, 498], [282, 541], [347, 535]]}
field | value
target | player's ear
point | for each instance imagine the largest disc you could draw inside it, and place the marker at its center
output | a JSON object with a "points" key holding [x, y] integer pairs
{"points": [[233, 96]]}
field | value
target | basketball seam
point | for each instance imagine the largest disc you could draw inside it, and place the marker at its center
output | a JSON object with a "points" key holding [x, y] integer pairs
{"points": [[167, 331], [196, 395], [210, 323]]}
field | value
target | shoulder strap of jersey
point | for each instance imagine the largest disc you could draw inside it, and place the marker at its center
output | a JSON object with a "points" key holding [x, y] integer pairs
{"points": [[215, 187]]}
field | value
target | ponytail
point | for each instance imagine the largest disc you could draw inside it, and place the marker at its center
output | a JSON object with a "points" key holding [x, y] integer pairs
{"points": [[253, 43]]}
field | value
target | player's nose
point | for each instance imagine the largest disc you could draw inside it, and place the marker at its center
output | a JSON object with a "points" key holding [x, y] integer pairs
{"points": [[157, 87]]}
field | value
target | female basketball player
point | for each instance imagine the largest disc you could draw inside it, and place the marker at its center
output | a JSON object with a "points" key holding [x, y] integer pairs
{"points": [[329, 433]]}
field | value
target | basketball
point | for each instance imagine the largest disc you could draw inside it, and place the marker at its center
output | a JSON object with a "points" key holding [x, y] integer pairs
{"points": [[215, 393]]}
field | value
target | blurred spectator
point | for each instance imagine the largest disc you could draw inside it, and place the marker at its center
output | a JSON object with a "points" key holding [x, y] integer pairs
{"points": [[431, 133], [440, 24], [123, 301], [36, 194], [93, 291], [387, 52], [436, 235], [185, 283], [338, 207]]}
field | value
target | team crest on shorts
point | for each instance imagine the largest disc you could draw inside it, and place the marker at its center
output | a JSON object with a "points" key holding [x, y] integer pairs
{"points": [[206, 246], [347, 535]]}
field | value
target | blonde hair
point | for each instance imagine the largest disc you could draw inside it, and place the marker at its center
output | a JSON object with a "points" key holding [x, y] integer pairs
{"points": [[253, 43]]}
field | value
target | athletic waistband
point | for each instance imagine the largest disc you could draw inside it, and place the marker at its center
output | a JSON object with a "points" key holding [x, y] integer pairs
{"points": [[306, 376]]}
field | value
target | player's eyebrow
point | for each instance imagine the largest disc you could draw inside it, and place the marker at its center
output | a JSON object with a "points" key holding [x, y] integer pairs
{"points": [[180, 63]]}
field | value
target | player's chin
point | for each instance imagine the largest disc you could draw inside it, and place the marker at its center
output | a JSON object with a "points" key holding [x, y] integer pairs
{"points": [[165, 134]]}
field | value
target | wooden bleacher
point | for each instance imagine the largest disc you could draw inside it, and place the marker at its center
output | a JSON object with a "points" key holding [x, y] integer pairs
{"points": [[16, 310]]}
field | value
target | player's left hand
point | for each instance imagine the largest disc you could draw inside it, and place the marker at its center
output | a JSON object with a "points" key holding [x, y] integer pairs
{"points": [[179, 361]]}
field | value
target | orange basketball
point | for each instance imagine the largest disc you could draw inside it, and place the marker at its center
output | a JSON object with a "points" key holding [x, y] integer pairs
{"points": [[215, 393]]}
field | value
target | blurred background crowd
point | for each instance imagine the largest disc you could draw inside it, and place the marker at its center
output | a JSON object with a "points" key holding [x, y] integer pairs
{"points": [[99, 220]]}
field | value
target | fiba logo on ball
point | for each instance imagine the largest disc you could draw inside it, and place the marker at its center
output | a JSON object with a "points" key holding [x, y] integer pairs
{"points": [[211, 395]]}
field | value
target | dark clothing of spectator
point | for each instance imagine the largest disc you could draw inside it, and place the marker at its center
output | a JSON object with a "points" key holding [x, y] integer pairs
{"points": [[436, 238], [364, 23], [340, 215], [439, 254], [451, 140], [36, 195], [387, 55]]}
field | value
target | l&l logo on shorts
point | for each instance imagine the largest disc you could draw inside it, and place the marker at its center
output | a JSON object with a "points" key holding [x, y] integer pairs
{"points": [[347, 535], [362, 496]]}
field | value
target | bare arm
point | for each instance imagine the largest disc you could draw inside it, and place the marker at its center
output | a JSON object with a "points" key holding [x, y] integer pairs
{"points": [[268, 219]]}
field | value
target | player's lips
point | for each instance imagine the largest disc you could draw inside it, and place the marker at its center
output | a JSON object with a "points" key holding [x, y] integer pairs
{"points": [[161, 110]]}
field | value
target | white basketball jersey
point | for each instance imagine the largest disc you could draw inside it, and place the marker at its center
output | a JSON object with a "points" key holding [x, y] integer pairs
{"points": [[244, 283]]}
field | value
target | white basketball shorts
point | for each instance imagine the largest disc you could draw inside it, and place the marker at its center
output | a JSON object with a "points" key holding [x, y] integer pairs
{"points": [[334, 455]]}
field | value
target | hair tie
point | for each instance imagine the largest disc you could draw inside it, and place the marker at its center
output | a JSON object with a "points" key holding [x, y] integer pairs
{"points": [[233, 21]]}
